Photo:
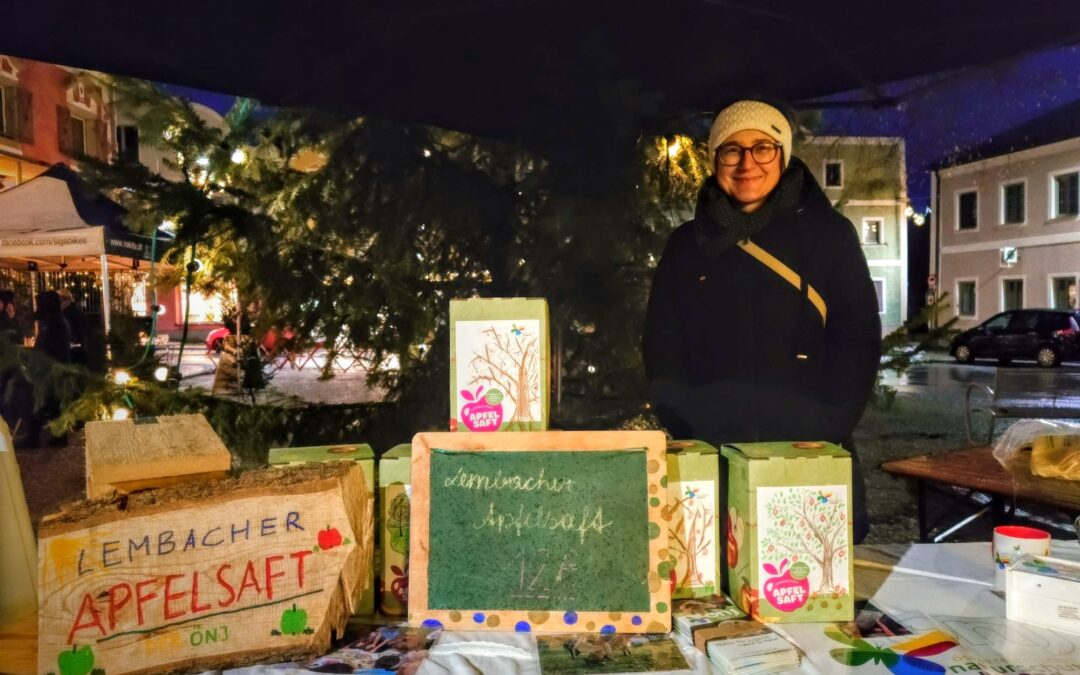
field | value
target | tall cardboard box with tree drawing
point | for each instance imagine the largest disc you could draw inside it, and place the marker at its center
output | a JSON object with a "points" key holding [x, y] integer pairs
{"points": [[693, 516], [395, 495], [788, 531], [499, 364]]}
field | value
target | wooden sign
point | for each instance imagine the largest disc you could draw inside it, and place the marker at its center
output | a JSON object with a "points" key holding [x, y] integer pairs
{"points": [[204, 576], [540, 531]]}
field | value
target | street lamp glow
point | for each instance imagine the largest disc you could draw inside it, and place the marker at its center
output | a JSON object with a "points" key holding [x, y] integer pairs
{"points": [[238, 156], [674, 147], [121, 377], [161, 374], [121, 414]]}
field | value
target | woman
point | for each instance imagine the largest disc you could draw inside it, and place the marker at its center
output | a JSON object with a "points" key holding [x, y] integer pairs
{"points": [[762, 323]]}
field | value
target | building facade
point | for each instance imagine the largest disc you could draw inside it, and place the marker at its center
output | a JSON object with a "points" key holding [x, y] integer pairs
{"points": [[50, 114], [865, 179], [1007, 231]]}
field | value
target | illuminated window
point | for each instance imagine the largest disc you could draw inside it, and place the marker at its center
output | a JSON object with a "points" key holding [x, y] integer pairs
{"points": [[204, 309], [871, 230]]}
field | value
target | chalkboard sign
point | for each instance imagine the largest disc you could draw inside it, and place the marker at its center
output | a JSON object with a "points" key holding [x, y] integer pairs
{"points": [[540, 531]]}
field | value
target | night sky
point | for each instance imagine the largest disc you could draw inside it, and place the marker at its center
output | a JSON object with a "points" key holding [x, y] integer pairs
{"points": [[938, 115]]}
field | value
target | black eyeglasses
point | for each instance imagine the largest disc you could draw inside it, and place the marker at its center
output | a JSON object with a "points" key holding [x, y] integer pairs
{"points": [[762, 152]]}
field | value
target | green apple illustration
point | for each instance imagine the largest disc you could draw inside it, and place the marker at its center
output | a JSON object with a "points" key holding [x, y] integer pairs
{"points": [[293, 621], [79, 661]]}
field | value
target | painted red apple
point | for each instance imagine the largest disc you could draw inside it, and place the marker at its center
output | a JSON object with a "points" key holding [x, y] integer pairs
{"points": [[789, 588], [482, 414], [749, 598], [734, 532], [329, 538]]}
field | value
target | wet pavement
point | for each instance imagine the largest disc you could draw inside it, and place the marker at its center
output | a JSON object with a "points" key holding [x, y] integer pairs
{"points": [[300, 378]]}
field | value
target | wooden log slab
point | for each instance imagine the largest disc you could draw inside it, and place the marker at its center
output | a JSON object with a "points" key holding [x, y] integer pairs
{"points": [[204, 576], [126, 455]]}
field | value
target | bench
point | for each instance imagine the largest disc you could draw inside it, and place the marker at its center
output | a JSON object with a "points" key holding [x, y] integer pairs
{"points": [[1021, 392]]}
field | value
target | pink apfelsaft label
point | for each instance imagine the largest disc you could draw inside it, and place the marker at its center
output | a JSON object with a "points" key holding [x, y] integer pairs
{"points": [[783, 591], [478, 414]]}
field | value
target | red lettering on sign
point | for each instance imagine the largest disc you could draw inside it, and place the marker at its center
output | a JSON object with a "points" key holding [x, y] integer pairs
{"points": [[94, 619]]}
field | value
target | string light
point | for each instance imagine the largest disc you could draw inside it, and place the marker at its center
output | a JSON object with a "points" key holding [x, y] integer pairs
{"points": [[161, 374], [121, 377], [121, 414]]}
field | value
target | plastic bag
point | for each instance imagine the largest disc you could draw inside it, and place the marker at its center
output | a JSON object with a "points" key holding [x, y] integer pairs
{"points": [[1011, 448]]}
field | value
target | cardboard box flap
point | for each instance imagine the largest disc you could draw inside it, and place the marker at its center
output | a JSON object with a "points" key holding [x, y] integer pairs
{"points": [[320, 453], [398, 451], [691, 447], [786, 450]]}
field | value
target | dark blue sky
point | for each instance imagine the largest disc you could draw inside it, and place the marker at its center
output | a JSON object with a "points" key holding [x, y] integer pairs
{"points": [[941, 114]]}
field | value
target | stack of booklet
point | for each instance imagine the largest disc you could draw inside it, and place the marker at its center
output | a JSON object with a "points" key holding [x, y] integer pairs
{"points": [[735, 643]]}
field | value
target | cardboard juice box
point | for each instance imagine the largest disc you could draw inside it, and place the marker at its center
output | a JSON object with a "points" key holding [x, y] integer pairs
{"points": [[394, 503], [360, 453], [694, 486], [788, 531], [499, 364]]}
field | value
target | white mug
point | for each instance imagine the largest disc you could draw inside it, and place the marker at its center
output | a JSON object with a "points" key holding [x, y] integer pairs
{"points": [[1013, 541]]}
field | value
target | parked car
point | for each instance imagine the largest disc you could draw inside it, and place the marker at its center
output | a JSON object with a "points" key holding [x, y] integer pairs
{"points": [[1049, 336]]}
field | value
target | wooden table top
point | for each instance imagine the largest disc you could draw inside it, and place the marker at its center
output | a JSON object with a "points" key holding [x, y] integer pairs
{"points": [[18, 646], [978, 469]]}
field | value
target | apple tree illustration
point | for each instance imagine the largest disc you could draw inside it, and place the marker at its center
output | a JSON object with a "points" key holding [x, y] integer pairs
{"points": [[510, 362], [810, 525], [690, 533]]}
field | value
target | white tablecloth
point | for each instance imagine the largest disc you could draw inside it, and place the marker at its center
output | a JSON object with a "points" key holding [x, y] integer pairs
{"points": [[925, 586]]}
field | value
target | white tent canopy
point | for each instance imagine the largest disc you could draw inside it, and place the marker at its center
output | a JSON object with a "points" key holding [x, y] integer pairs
{"points": [[51, 222]]}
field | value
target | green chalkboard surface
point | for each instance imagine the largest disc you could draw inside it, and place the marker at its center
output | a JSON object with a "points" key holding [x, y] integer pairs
{"points": [[539, 530]]}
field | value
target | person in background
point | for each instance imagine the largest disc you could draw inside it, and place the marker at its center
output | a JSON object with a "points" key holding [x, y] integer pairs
{"points": [[76, 320], [762, 323], [53, 333], [53, 340], [9, 323]]}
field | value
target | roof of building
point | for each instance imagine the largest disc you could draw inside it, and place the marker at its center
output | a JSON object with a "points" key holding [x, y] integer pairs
{"points": [[1060, 124]]}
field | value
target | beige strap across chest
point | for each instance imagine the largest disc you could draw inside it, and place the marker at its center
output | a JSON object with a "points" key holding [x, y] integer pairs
{"points": [[788, 274]]}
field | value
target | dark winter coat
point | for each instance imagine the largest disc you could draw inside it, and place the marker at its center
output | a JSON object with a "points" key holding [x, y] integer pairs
{"points": [[735, 353]]}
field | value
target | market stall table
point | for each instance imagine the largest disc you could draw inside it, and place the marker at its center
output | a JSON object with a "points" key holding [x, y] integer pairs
{"points": [[950, 584], [975, 470]]}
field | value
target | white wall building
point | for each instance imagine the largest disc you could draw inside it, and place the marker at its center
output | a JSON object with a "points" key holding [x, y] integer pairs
{"points": [[1007, 224]]}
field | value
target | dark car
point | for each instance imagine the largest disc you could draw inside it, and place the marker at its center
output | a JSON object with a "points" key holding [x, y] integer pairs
{"points": [[1049, 336]]}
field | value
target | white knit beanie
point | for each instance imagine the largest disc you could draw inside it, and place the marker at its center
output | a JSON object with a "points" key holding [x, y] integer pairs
{"points": [[751, 115]]}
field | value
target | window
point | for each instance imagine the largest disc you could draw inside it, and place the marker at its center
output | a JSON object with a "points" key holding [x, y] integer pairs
{"points": [[16, 114], [1012, 204], [1063, 293], [871, 230], [999, 322], [967, 210], [78, 136], [127, 144], [204, 308], [1065, 199], [965, 294], [834, 174], [879, 288], [1012, 294]]}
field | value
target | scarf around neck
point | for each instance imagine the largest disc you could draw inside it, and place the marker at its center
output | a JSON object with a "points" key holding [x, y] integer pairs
{"points": [[721, 223]]}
